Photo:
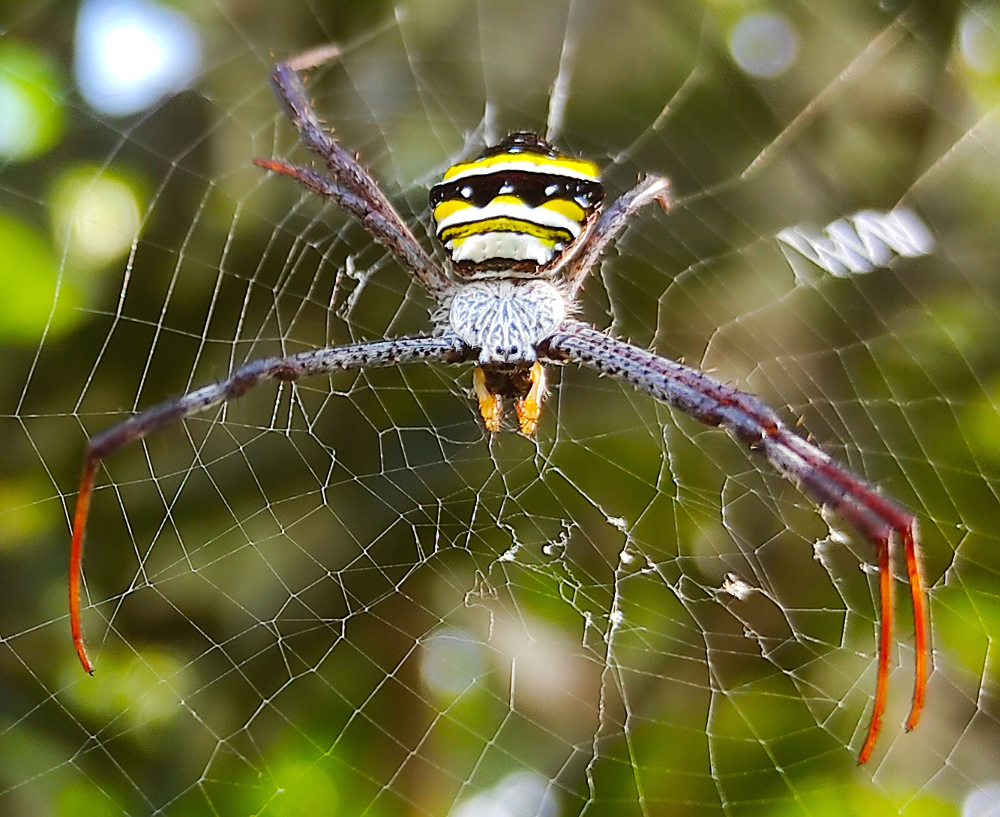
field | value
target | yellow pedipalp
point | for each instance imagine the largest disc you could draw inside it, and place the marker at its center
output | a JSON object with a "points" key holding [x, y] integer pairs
{"points": [[490, 405], [529, 407]]}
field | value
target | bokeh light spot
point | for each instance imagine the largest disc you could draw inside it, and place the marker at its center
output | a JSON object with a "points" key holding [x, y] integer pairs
{"points": [[131, 53], [96, 216], [764, 45], [517, 794], [26, 509], [145, 689], [979, 39], [452, 662]]}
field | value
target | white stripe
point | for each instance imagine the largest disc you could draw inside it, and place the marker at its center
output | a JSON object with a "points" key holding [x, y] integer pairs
{"points": [[547, 167], [509, 246], [536, 215]]}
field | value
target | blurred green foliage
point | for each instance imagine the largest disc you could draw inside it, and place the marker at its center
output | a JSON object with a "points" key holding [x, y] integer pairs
{"points": [[268, 588], [32, 102]]}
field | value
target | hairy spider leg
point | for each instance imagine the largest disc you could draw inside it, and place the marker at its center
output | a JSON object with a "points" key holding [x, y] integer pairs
{"points": [[446, 349], [351, 186], [581, 258], [814, 472]]}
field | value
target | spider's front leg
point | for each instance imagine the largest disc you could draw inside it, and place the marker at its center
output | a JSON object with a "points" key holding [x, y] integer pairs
{"points": [[581, 258], [349, 184], [876, 517], [446, 349]]}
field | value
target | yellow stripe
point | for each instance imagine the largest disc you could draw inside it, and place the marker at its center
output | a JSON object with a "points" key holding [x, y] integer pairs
{"points": [[565, 207], [542, 162], [505, 225], [449, 207]]}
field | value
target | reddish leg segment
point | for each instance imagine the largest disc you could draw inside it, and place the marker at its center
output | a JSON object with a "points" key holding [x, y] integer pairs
{"points": [[444, 349], [876, 517]]}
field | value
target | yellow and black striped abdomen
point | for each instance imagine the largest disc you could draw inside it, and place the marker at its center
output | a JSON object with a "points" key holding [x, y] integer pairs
{"points": [[515, 208]]}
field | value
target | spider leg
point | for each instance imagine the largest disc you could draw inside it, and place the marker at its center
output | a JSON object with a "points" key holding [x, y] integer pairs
{"points": [[830, 485], [448, 349], [351, 186], [580, 259]]}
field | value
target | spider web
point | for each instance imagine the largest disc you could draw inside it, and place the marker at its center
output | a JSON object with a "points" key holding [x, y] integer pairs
{"points": [[343, 596]]}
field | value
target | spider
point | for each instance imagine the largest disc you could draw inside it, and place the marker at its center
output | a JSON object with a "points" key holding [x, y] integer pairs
{"points": [[523, 225]]}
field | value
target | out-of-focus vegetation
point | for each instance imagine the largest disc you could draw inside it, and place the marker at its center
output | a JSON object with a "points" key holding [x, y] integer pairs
{"points": [[343, 598]]}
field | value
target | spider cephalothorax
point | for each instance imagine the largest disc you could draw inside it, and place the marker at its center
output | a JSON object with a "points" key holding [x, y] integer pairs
{"points": [[524, 225]]}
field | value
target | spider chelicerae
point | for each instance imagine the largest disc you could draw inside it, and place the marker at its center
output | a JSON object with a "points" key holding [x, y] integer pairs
{"points": [[523, 226]]}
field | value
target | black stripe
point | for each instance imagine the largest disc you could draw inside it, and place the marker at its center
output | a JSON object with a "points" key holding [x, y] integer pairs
{"points": [[521, 142], [533, 189]]}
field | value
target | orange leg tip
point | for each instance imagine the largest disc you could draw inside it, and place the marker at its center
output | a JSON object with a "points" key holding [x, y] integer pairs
{"points": [[921, 625], [85, 662], [275, 167], [90, 467], [884, 646], [874, 728], [915, 711]]}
